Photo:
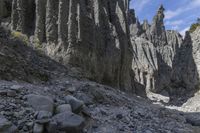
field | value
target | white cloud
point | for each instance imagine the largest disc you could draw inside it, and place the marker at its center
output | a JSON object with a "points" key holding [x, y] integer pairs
{"points": [[174, 23], [192, 5], [195, 3], [170, 14]]}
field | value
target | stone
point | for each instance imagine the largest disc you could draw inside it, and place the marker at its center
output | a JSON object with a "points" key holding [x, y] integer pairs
{"points": [[3, 92], [11, 93], [76, 104], [38, 128], [69, 122], [16, 88], [43, 117], [6, 126], [63, 108], [193, 119], [41, 103], [119, 116], [85, 98], [52, 127]]}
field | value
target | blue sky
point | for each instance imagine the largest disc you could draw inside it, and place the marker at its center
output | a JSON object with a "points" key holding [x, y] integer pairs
{"points": [[179, 14]]}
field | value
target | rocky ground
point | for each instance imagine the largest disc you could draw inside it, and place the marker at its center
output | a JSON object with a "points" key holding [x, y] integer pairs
{"points": [[96, 109]]}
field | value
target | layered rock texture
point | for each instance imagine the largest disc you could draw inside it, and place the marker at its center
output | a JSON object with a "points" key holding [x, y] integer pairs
{"points": [[107, 41], [93, 35], [5, 8], [162, 59]]}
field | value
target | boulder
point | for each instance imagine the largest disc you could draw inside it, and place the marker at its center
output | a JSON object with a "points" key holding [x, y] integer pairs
{"points": [[76, 104], [38, 128], [85, 98], [193, 119], [63, 108], [41, 103], [69, 122], [43, 117], [6, 126]]}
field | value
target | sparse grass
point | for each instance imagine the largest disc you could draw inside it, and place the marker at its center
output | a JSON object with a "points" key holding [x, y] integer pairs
{"points": [[20, 36], [37, 44]]}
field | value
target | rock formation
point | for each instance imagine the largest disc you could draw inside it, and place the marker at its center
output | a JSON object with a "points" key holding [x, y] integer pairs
{"points": [[154, 50], [162, 60], [102, 38], [4, 8], [186, 64], [93, 35], [55, 50]]}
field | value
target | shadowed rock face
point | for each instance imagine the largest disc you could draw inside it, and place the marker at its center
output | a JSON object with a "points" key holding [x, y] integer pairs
{"points": [[91, 34], [5, 8]]}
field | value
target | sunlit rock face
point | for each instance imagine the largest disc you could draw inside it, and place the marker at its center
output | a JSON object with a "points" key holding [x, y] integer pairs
{"points": [[154, 50]]}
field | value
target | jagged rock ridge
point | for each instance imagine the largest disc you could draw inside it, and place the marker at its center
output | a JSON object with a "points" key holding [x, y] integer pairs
{"points": [[163, 60]]}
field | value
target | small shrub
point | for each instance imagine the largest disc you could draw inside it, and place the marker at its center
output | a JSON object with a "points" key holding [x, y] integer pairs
{"points": [[20, 36], [37, 44], [194, 27]]}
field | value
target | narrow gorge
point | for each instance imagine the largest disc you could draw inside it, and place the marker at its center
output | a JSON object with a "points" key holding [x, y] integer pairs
{"points": [[90, 66]]}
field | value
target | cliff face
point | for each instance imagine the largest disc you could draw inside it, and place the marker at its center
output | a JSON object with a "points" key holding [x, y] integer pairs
{"points": [[5, 8], [155, 51], [107, 41], [91, 34], [187, 63], [162, 59]]}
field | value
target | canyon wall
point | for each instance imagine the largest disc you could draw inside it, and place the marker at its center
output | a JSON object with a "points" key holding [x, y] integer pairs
{"points": [[91, 34], [107, 41], [162, 59]]}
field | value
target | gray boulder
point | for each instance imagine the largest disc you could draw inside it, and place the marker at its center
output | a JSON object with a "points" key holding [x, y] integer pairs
{"points": [[63, 108], [69, 122], [6, 126], [41, 103], [43, 117], [38, 128], [76, 104], [85, 98], [193, 119]]}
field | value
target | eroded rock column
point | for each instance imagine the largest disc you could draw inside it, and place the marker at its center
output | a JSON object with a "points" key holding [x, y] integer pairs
{"points": [[51, 21], [40, 33], [18, 15], [21, 10], [63, 21], [14, 15]]}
